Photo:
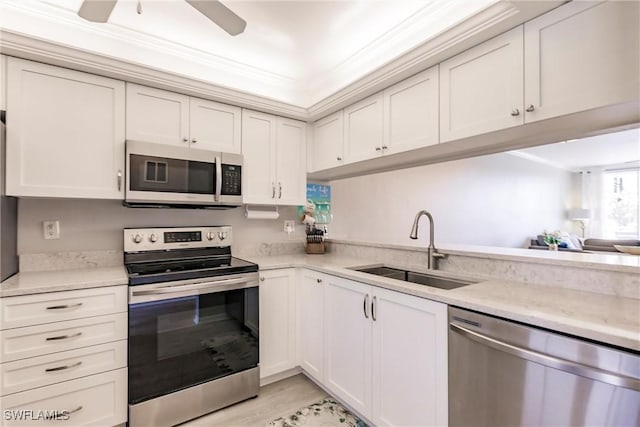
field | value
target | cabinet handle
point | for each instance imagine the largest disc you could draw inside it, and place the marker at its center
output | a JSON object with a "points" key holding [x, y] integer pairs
{"points": [[74, 410], [185, 139], [318, 280], [262, 279], [384, 147], [365, 305], [60, 415], [373, 308], [530, 108], [339, 158], [193, 141], [273, 190], [515, 112], [279, 190], [61, 368], [119, 175], [63, 337], [378, 148], [64, 306]]}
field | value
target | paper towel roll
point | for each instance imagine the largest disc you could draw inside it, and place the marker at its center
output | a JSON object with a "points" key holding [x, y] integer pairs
{"points": [[262, 214]]}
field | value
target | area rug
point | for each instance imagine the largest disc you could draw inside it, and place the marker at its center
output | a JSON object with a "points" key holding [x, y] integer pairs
{"points": [[325, 413]]}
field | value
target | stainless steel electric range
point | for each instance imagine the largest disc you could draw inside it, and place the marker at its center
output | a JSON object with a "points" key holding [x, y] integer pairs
{"points": [[193, 324]]}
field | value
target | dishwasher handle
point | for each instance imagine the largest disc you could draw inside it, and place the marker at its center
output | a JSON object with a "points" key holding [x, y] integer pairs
{"points": [[550, 361]]}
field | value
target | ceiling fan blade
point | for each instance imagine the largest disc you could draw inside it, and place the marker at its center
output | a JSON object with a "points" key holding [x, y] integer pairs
{"points": [[220, 14], [96, 10]]}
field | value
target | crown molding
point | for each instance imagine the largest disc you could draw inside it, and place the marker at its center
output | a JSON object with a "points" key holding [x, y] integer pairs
{"points": [[27, 47], [490, 22]]}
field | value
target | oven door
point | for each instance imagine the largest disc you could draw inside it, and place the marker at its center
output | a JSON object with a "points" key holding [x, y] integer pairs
{"points": [[159, 173], [186, 333]]}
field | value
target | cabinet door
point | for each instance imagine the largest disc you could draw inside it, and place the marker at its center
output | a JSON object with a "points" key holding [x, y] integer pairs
{"points": [[214, 126], [347, 342], [310, 304], [277, 321], [363, 127], [580, 56], [65, 133], [259, 151], [409, 360], [328, 141], [291, 162], [411, 113], [155, 115], [481, 89]]}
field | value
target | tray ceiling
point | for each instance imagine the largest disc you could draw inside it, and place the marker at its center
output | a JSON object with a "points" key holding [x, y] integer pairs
{"points": [[298, 52]]}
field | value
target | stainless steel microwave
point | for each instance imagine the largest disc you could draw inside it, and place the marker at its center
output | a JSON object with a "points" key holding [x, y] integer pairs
{"points": [[166, 175]]}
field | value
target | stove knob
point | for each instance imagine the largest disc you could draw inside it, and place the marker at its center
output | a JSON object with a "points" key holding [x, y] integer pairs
{"points": [[211, 235], [153, 238], [137, 238], [222, 235]]}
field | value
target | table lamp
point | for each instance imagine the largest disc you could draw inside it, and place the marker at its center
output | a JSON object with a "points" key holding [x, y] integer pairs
{"points": [[580, 215]]}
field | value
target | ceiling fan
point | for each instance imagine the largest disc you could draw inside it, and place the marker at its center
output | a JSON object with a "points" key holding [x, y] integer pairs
{"points": [[99, 11]]}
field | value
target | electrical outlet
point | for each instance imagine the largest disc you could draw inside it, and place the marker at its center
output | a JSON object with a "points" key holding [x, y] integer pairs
{"points": [[289, 226], [51, 229]]}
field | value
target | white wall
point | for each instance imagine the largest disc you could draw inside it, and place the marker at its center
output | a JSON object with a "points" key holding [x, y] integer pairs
{"points": [[497, 200], [97, 224]]}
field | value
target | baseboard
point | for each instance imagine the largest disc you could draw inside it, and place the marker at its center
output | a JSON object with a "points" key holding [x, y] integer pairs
{"points": [[280, 376]]}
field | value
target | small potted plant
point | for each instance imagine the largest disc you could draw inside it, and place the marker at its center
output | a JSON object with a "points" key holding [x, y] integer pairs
{"points": [[552, 240]]}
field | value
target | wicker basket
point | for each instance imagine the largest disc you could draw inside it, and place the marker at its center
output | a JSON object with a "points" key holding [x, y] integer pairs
{"points": [[315, 248]]}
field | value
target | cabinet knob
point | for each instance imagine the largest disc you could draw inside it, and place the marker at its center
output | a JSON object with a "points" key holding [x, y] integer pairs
{"points": [[185, 139], [530, 108], [515, 112], [318, 280], [193, 141], [338, 158]]}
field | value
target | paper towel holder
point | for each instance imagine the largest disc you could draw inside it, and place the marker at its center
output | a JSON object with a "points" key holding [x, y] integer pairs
{"points": [[271, 212]]}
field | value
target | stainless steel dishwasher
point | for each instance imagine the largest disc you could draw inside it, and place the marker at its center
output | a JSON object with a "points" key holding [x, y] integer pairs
{"points": [[503, 373]]}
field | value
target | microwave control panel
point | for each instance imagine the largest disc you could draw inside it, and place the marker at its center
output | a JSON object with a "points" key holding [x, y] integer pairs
{"points": [[231, 180]]}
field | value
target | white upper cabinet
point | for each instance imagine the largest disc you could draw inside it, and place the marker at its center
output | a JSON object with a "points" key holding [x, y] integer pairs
{"points": [[580, 56], [363, 129], [481, 89], [274, 151], [65, 133], [214, 126], [328, 142], [411, 113], [155, 115]]}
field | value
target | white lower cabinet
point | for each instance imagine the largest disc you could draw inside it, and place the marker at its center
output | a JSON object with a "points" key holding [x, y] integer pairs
{"points": [[277, 321], [309, 302], [386, 353], [63, 358]]}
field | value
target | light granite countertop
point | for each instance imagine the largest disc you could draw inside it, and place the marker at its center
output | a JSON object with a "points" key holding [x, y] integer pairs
{"points": [[606, 318], [37, 282]]}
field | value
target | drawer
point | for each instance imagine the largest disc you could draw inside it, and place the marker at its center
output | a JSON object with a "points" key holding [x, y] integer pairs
{"points": [[96, 400], [28, 310], [26, 374], [31, 341]]}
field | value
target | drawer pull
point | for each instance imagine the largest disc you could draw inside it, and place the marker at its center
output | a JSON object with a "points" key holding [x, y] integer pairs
{"points": [[64, 415], [64, 337], [62, 368], [64, 306]]}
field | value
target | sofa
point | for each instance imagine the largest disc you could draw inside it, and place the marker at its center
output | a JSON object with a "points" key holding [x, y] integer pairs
{"points": [[588, 245]]}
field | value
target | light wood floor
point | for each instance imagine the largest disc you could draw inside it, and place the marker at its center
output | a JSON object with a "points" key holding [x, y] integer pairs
{"points": [[275, 400]]}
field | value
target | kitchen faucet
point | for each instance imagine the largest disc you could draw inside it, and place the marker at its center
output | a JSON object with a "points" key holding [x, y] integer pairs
{"points": [[434, 255]]}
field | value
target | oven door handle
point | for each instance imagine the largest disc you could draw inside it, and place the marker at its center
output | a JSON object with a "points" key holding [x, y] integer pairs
{"points": [[197, 288]]}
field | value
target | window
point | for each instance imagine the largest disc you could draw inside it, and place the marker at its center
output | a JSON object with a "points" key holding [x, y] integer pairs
{"points": [[621, 204]]}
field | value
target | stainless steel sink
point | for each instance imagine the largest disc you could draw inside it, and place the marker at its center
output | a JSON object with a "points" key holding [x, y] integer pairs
{"points": [[415, 277]]}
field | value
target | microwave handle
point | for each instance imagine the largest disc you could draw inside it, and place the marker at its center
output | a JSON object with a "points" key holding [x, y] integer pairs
{"points": [[218, 179]]}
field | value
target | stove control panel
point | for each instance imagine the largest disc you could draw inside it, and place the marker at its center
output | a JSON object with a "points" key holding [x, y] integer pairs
{"points": [[153, 239]]}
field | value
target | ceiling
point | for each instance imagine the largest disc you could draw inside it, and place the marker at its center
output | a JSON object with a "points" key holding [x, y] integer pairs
{"points": [[298, 52], [609, 149]]}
